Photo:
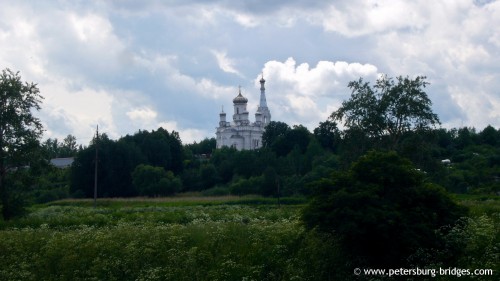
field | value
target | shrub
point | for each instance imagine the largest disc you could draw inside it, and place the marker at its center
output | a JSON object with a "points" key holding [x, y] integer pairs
{"points": [[216, 191], [382, 210], [155, 181]]}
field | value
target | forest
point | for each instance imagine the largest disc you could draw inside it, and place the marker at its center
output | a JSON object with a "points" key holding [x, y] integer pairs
{"points": [[292, 158]]}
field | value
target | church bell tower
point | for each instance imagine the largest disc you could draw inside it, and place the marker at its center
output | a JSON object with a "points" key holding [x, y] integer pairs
{"points": [[263, 109]]}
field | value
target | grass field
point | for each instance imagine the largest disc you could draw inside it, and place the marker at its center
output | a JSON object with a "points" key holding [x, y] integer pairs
{"points": [[192, 238]]}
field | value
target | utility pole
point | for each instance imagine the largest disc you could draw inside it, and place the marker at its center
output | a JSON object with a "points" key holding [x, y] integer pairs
{"points": [[96, 158], [278, 184]]}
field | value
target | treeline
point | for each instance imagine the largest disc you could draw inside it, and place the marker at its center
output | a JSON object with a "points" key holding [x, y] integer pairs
{"points": [[395, 114], [142, 164], [157, 164]]}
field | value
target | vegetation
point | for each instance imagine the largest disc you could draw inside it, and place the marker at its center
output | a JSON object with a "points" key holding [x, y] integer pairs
{"points": [[382, 211], [154, 181], [119, 159], [388, 110], [388, 190], [20, 132], [225, 238]]}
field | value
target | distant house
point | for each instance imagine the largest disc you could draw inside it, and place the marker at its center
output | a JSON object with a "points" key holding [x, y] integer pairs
{"points": [[446, 162], [62, 163]]}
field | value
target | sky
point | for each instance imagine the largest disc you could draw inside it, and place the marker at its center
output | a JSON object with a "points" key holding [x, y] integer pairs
{"points": [[139, 65]]}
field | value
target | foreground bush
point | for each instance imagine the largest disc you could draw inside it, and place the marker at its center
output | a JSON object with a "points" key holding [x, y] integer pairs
{"points": [[383, 211]]}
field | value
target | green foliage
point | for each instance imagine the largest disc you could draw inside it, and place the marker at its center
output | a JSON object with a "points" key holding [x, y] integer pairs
{"points": [[328, 134], [52, 184], [483, 236], [490, 136], [200, 239], [221, 242], [118, 159], [154, 181], [216, 191], [275, 130], [474, 169], [206, 146], [270, 182], [52, 148], [389, 108], [208, 175], [20, 132], [381, 209], [287, 140], [246, 186], [392, 114], [198, 251]]}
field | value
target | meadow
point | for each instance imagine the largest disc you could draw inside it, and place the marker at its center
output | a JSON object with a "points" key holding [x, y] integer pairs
{"points": [[194, 238]]}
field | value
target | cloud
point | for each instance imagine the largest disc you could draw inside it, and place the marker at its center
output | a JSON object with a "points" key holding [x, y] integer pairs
{"points": [[455, 51], [142, 115], [78, 112], [358, 18], [225, 63], [299, 94], [188, 135], [131, 65]]}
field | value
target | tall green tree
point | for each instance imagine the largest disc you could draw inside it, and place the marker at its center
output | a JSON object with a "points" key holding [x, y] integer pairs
{"points": [[274, 130], [489, 136], [327, 134], [20, 130], [389, 109], [52, 148], [69, 146]]}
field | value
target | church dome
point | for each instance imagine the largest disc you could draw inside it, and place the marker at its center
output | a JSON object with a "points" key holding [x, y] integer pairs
{"points": [[240, 99]]}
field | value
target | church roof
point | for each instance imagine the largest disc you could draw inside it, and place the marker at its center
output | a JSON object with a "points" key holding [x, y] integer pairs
{"points": [[240, 98]]}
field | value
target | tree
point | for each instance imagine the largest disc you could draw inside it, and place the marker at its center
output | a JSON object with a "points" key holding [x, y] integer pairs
{"points": [[489, 136], [269, 182], [273, 131], [327, 134], [381, 210], [465, 137], [205, 146], [208, 175], [388, 109], [154, 181], [20, 130], [298, 136], [69, 147], [118, 159], [281, 139], [52, 148]]}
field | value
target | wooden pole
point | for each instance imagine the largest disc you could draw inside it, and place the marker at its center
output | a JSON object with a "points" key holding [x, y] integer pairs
{"points": [[95, 172]]}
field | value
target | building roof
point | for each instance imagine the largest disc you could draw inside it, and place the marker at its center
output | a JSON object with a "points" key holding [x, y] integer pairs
{"points": [[240, 98], [62, 162]]}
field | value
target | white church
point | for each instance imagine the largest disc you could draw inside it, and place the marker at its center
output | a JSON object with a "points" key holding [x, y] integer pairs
{"points": [[241, 133]]}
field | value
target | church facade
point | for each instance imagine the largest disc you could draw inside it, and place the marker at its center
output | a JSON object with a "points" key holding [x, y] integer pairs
{"points": [[241, 133]]}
